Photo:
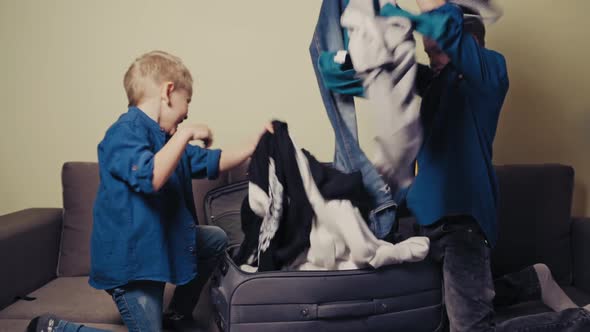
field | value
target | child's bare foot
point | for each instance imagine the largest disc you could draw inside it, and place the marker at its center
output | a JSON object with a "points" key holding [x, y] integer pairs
{"points": [[551, 294]]}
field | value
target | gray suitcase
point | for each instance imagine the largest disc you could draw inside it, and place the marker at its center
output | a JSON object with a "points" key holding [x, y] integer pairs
{"points": [[406, 297]]}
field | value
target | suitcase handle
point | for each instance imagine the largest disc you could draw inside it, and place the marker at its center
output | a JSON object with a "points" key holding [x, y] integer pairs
{"points": [[346, 310], [219, 273], [223, 267]]}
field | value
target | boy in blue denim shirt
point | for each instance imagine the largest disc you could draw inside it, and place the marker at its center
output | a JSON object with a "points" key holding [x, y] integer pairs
{"points": [[145, 231], [454, 196]]}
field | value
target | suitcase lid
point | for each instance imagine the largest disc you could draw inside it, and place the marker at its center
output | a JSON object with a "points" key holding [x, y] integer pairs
{"points": [[222, 208]]}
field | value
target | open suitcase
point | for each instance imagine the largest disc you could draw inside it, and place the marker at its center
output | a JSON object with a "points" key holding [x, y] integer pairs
{"points": [[405, 297]]}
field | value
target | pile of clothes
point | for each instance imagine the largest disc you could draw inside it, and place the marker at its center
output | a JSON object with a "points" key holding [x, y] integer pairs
{"points": [[304, 215], [301, 214]]}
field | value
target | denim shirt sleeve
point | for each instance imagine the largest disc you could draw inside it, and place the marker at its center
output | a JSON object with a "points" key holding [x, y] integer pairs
{"points": [[203, 162], [475, 62], [127, 154]]}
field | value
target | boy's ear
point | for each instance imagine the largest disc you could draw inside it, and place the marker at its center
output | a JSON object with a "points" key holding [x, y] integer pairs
{"points": [[166, 90]]}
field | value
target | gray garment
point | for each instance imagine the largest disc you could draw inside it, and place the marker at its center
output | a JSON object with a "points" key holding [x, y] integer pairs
{"points": [[382, 50]]}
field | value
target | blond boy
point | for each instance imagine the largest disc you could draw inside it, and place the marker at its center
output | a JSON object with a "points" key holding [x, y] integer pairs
{"points": [[145, 231]]}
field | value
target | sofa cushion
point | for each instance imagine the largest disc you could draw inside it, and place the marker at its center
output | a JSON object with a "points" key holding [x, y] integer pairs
{"points": [[579, 296], [71, 298], [536, 307], [30, 236], [534, 219], [80, 184]]}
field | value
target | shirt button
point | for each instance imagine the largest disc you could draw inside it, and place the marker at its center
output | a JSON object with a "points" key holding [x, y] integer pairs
{"points": [[460, 76], [192, 250]]}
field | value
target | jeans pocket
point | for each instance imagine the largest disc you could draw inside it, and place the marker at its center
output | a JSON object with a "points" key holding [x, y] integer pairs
{"points": [[382, 219]]}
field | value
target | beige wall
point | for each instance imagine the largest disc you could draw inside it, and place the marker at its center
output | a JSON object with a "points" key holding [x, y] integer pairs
{"points": [[62, 62], [546, 117]]}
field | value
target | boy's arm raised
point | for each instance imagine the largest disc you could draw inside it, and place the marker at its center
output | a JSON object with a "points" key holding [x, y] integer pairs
{"points": [[232, 158], [166, 160]]}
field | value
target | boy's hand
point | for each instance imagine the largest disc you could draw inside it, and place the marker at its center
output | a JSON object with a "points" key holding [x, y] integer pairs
{"points": [[199, 132], [267, 128]]}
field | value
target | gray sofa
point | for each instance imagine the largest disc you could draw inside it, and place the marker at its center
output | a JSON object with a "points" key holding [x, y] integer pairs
{"points": [[45, 255], [44, 252]]}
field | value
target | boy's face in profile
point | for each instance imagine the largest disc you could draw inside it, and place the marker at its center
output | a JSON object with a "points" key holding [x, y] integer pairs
{"points": [[176, 112]]}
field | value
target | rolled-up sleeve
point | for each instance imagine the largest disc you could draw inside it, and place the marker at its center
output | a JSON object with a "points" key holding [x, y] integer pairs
{"points": [[204, 162], [127, 155]]}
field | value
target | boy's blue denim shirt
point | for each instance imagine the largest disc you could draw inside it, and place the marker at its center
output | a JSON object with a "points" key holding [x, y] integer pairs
{"points": [[460, 112], [140, 234]]}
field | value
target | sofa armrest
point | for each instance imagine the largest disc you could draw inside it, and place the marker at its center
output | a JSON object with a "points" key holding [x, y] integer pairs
{"points": [[29, 247], [581, 252]]}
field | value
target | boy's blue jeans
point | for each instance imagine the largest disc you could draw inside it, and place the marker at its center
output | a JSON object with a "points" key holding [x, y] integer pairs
{"points": [[140, 303], [349, 157]]}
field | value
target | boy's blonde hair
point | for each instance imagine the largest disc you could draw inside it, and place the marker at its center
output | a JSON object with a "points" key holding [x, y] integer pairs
{"points": [[159, 67]]}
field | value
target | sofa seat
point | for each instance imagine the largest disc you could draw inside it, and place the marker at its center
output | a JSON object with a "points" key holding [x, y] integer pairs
{"points": [[580, 297], [38, 244], [70, 298]]}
